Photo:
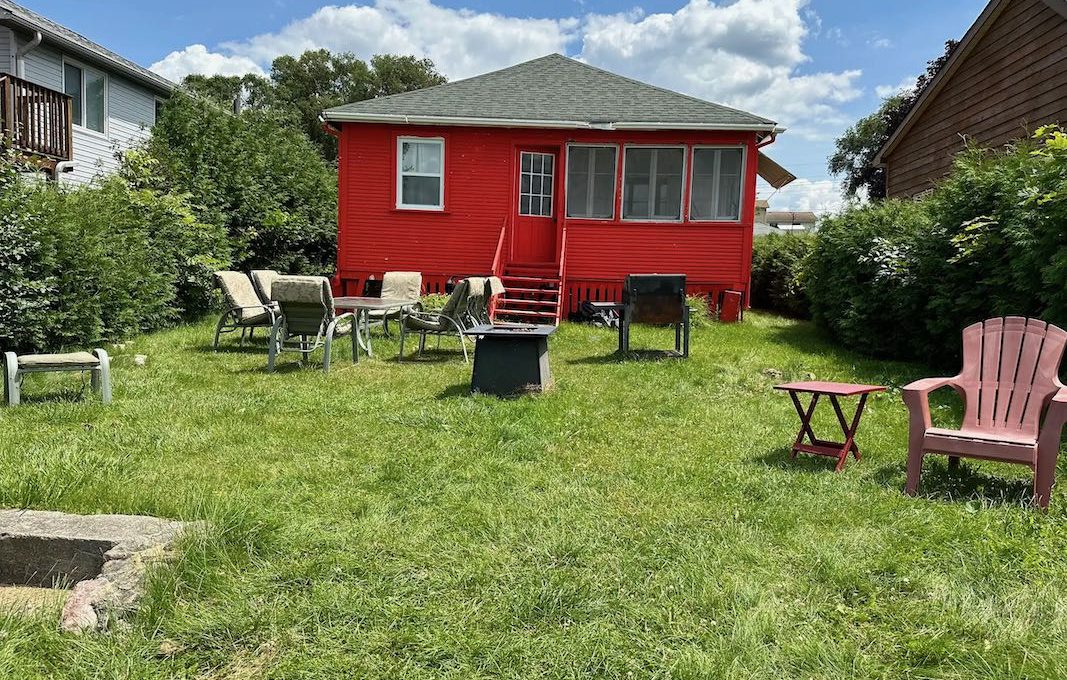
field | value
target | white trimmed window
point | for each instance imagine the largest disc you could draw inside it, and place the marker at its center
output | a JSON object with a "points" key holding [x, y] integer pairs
{"points": [[88, 93], [652, 183], [716, 188], [420, 173], [591, 181]]}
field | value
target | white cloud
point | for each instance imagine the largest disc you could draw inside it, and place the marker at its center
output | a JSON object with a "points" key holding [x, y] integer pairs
{"points": [[461, 43], [197, 59], [819, 196], [881, 43], [747, 54], [906, 84]]}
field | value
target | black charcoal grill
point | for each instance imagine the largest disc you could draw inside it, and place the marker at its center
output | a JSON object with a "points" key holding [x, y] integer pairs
{"points": [[657, 299]]}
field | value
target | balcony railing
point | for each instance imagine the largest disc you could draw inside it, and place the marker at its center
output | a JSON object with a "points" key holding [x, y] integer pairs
{"points": [[35, 120]]}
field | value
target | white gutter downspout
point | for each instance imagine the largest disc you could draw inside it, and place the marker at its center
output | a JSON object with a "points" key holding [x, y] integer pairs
{"points": [[20, 54]]}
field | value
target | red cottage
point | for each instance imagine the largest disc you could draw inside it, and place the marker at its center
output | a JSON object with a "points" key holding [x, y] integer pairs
{"points": [[558, 176]]}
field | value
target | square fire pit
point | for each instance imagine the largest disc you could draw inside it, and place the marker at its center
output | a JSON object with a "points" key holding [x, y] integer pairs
{"points": [[511, 359]]}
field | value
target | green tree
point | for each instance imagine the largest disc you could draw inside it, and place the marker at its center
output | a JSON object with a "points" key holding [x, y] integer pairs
{"points": [[250, 91], [255, 174], [319, 79], [856, 148]]}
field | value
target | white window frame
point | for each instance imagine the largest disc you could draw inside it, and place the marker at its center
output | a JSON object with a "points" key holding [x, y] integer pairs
{"points": [[741, 184], [681, 199], [400, 174], [614, 181], [107, 93]]}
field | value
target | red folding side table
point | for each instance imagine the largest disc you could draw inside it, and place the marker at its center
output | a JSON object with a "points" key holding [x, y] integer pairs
{"points": [[833, 390]]}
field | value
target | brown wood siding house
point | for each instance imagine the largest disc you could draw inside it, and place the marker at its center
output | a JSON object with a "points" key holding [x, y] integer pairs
{"points": [[1007, 76]]}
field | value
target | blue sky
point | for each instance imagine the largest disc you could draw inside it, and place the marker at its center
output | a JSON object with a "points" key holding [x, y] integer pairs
{"points": [[815, 65]]}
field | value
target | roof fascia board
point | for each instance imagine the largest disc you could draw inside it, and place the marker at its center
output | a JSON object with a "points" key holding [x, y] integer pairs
{"points": [[401, 119], [970, 39]]}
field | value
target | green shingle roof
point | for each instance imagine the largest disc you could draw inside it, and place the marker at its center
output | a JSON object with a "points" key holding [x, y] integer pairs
{"points": [[551, 91]]}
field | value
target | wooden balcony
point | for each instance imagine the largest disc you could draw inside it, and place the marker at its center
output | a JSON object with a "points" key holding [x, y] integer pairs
{"points": [[35, 120]]}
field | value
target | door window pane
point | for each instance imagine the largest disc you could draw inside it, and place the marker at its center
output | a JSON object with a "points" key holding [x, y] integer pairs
{"points": [[652, 183], [591, 182], [716, 192], [535, 183]]}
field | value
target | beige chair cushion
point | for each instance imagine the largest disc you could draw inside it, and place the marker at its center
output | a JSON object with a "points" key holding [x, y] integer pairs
{"points": [[313, 290], [238, 291], [71, 360], [263, 280], [402, 285], [496, 286]]}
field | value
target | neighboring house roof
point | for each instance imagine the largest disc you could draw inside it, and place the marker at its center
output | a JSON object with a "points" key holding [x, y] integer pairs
{"points": [[78, 45], [967, 44], [791, 218], [762, 203], [552, 91], [764, 229]]}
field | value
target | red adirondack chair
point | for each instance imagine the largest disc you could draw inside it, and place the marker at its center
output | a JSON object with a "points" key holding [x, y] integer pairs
{"points": [[1010, 378]]}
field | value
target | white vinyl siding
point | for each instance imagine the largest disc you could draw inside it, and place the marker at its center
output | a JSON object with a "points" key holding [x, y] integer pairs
{"points": [[130, 113], [420, 165], [717, 184], [591, 181], [7, 50]]}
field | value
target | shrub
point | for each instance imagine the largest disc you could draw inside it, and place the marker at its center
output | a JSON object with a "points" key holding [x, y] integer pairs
{"points": [[778, 282], [255, 174], [100, 263], [902, 278], [861, 276]]}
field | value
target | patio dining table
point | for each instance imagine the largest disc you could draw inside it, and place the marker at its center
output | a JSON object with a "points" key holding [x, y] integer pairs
{"points": [[361, 307]]}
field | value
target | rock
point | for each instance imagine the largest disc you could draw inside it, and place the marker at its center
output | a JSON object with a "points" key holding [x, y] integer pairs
{"points": [[772, 373], [140, 359], [107, 555]]}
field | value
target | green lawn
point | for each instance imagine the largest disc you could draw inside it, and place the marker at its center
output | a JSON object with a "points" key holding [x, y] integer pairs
{"points": [[643, 520]]}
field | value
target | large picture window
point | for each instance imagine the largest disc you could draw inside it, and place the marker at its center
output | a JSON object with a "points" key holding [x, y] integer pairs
{"points": [[652, 183], [716, 191], [87, 90], [420, 173], [591, 181]]}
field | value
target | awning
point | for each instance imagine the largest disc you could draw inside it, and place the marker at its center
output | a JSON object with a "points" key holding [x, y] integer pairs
{"points": [[772, 173]]}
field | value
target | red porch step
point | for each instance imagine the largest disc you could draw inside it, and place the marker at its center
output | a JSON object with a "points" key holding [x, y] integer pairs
{"points": [[533, 293]]}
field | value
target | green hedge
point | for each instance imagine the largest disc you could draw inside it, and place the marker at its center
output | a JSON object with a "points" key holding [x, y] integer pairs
{"points": [[778, 264], [256, 174], [902, 278], [88, 265]]}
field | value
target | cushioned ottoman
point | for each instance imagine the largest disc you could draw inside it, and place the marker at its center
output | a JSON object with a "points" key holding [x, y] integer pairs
{"points": [[97, 362]]}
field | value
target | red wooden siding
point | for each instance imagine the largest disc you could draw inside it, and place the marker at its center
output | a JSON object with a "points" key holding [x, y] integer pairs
{"points": [[479, 168], [1013, 80]]}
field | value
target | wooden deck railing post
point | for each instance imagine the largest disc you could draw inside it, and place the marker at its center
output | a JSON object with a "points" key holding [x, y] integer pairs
{"points": [[9, 111], [36, 120]]}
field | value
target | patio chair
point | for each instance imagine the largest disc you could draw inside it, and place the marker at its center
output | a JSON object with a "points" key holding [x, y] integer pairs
{"points": [[451, 320], [245, 311], [306, 319], [262, 281], [1010, 379], [400, 286], [480, 310]]}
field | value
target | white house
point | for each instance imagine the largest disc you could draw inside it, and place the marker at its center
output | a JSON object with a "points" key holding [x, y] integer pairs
{"points": [[68, 102]]}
